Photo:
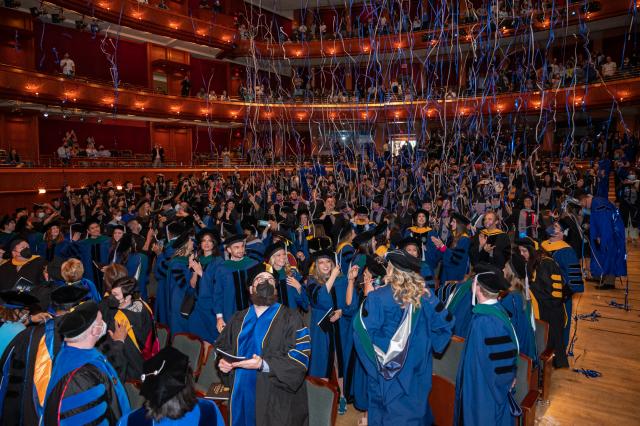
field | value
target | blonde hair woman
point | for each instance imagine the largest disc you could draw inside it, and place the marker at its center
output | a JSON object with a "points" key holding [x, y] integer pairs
{"points": [[72, 271], [291, 292], [404, 312]]}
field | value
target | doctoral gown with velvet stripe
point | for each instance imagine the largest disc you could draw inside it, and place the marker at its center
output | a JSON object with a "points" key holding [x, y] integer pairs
{"points": [[403, 399], [455, 261], [459, 304], [487, 368], [202, 321], [288, 295], [280, 395], [231, 286], [22, 389], [521, 317], [609, 257], [163, 294], [340, 339], [84, 390]]}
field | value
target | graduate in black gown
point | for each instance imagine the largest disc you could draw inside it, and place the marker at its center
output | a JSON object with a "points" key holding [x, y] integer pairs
{"points": [[491, 245], [124, 309], [84, 388], [549, 293], [268, 387], [488, 365]]}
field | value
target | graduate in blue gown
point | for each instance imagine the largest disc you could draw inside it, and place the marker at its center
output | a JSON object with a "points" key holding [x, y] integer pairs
{"points": [[291, 290], [125, 253], [231, 281], [399, 378], [372, 278], [459, 304], [168, 390], [332, 344], [344, 247], [84, 388], [488, 365], [181, 279], [202, 320], [267, 388], [71, 272], [517, 303], [160, 271], [455, 253], [95, 253], [607, 240], [567, 259]]}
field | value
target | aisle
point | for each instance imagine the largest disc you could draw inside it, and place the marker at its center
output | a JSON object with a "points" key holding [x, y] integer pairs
{"points": [[611, 346]]}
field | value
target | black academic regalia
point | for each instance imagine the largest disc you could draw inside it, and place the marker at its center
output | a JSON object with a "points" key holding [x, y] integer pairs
{"points": [[126, 357], [549, 294], [19, 404], [501, 250], [281, 396]]}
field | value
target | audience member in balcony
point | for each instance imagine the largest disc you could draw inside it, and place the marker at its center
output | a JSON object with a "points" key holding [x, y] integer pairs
{"points": [[91, 150], [162, 5], [64, 153], [103, 152], [609, 68], [67, 66], [14, 158], [217, 6], [186, 86], [157, 156], [212, 96], [223, 96], [202, 94]]}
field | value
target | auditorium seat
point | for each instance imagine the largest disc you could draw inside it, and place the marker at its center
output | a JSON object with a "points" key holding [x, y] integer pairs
{"points": [[323, 402], [163, 335], [442, 400], [546, 359], [525, 395], [446, 365], [133, 393], [208, 372], [192, 346]]}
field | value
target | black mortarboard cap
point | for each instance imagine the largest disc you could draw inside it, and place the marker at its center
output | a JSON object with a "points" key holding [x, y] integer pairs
{"points": [[78, 320], [404, 261], [491, 277], [164, 376], [67, 296], [460, 218], [272, 249], [319, 243], [233, 239], [14, 299]]}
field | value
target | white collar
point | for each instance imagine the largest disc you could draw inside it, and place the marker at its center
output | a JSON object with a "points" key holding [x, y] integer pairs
{"points": [[490, 302]]}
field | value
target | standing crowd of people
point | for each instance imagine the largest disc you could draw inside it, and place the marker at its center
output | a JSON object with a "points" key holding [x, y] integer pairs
{"points": [[358, 273]]}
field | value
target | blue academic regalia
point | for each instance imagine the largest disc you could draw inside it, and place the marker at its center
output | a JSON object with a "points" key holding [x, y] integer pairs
{"points": [[160, 272], [523, 322], [178, 283], [400, 399], [138, 267], [487, 368], [202, 321], [204, 413], [340, 339], [566, 258], [288, 295], [231, 286], [602, 182], [455, 261], [610, 256], [345, 253], [255, 249], [459, 304], [88, 405], [427, 273], [301, 242], [94, 250]]}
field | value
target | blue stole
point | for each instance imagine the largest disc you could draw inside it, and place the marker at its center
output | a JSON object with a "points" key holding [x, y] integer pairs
{"points": [[250, 341], [70, 359]]}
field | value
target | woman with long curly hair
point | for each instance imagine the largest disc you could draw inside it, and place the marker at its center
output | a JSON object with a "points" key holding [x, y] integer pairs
{"points": [[396, 331]]}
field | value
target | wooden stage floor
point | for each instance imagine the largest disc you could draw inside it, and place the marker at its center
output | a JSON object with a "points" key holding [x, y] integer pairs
{"points": [[611, 346]]}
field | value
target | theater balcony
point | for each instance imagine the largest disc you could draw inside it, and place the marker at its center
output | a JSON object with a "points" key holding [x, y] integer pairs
{"points": [[25, 85]]}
